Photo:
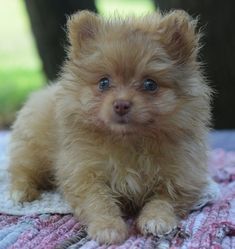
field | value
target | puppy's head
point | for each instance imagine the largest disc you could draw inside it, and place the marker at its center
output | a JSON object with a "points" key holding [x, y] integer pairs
{"points": [[135, 75]]}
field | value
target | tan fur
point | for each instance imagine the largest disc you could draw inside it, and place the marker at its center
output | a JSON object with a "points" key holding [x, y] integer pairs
{"points": [[153, 166]]}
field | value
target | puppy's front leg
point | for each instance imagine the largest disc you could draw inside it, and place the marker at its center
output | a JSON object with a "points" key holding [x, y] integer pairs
{"points": [[93, 203], [102, 215], [157, 217]]}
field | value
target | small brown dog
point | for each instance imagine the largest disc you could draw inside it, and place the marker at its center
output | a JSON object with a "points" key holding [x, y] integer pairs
{"points": [[124, 128]]}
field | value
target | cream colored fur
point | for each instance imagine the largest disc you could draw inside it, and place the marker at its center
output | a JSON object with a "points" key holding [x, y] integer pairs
{"points": [[155, 166]]}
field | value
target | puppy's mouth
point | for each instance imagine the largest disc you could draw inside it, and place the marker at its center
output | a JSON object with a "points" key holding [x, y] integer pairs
{"points": [[121, 124], [121, 120], [124, 124]]}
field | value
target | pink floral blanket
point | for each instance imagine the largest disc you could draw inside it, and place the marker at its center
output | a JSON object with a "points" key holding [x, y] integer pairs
{"points": [[213, 226]]}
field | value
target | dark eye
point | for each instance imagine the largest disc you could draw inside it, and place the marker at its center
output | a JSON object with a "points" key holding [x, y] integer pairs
{"points": [[104, 83], [150, 85]]}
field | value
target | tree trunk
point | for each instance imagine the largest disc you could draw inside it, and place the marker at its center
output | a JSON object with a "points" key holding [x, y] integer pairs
{"points": [[217, 19], [48, 20]]}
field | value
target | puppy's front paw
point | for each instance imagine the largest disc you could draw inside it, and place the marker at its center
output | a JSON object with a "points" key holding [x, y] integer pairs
{"points": [[108, 230], [157, 225], [157, 221], [25, 195]]}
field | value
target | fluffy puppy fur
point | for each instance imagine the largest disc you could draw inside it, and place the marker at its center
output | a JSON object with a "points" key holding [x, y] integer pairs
{"points": [[124, 128]]}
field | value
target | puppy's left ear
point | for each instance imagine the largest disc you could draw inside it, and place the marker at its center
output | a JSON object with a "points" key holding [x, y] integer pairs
{"points": [[83, 27], [177, 33]]}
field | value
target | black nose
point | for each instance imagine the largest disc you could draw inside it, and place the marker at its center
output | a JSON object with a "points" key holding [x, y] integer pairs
{"points": [[121, 107]]}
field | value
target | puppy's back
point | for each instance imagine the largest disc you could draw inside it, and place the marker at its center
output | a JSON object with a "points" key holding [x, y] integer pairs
{"points": [[33, 145]]}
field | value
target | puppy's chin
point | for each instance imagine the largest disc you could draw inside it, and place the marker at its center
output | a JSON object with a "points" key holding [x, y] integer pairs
{"points": [[126, 127], [121, 125], [121, 128]]}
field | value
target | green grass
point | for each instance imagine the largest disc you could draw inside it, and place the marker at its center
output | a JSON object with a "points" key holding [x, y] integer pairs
{"points": [[20, 66]]}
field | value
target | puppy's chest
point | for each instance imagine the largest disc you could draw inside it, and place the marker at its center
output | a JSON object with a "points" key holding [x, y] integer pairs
{"points": [[133, 177]]}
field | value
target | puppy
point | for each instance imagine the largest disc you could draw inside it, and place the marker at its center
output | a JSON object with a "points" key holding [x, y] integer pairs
{"points": [[124, 128]]}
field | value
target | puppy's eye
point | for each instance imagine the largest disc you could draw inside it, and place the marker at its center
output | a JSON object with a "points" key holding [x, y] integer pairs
{"points": [[150, 85], [104, 83]]}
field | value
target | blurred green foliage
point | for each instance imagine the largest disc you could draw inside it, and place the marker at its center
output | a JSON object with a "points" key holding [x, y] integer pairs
{"points": [[20, 68], [124, 7]]}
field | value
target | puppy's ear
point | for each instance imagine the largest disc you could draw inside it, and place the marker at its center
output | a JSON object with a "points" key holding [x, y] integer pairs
{"points": [[82, 27], [178, 35]]}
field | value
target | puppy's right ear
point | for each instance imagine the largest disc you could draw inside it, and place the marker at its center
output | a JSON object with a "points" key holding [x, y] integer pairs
{"points": [[82, 27]]}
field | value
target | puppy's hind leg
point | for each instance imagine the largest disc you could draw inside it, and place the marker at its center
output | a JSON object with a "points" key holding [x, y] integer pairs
{"points": [[29, 172]]}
